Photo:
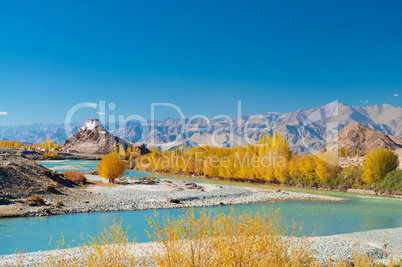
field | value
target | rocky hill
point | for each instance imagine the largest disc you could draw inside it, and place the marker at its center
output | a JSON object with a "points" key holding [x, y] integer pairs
{"points": [[21, 177], [306, 130], [357, 137], [92, 138]]}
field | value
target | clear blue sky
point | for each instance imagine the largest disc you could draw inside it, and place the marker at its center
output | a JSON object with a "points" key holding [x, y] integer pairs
{"points": [[203, 56]]}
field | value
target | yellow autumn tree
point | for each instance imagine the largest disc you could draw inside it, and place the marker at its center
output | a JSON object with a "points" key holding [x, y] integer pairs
{"points": [[326, 166], [211, 166], [378, 163], [307, 166], [111, 167], [128, 153], [270, 159]]}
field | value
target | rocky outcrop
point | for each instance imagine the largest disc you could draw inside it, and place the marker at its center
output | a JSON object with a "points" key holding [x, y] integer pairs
{"points": [[92, 141], [92, 138], [357, 137], [21, 177]]}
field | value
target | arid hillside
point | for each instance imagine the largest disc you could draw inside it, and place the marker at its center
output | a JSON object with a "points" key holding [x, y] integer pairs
{"points": [[21, 177], [357, 137]]}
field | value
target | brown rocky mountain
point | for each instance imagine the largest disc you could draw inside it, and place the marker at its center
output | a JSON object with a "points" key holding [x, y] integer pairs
{"points": [[356, 137], [92, 138]]}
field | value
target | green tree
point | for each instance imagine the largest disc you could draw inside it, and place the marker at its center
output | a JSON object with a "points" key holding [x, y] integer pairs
{"points": [[392, 181]]}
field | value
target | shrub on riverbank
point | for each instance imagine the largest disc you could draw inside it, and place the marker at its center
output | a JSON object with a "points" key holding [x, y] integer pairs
{"points": [[232, 239], [110, 248], [35, 200], [392, 181], [76, 177], [52, 154], [349, 177], [378, 163], [111, 167]]}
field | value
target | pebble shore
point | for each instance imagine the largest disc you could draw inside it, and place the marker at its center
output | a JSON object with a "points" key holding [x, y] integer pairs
{"points": [[382, 244], [134, 196]]}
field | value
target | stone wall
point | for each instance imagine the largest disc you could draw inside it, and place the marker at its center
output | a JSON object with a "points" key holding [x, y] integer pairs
{"points": [[350, 161]]}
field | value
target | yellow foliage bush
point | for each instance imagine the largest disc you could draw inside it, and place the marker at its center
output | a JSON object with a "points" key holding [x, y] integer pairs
{"points": [[111, 167], [109, 249], [326, 166], [232, 239], [378, 163]]}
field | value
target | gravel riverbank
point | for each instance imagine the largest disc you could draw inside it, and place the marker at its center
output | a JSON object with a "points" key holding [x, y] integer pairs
{"points": [[336, 247], [164, 194], [383, 244]]}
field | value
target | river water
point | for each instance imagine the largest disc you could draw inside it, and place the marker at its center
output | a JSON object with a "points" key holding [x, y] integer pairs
{"points": [[360, 213]]}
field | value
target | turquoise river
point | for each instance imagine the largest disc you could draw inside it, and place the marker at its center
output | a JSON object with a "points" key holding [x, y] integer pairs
{"points": [[359, 213]]}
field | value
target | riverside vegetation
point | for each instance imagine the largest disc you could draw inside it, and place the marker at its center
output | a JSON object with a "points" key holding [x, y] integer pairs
{"points": [[268, 161], [272, 161], [202, 239], [48, 148]]}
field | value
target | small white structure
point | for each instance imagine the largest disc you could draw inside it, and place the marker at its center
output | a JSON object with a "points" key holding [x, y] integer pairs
{"points": [[90, 124]]}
